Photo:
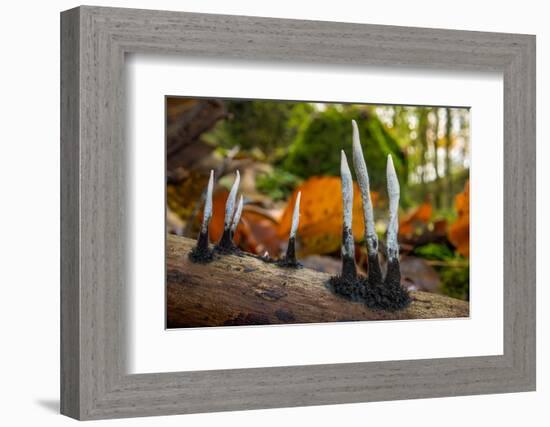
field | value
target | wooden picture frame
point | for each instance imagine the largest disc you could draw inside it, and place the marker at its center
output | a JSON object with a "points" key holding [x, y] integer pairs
{"points": [[94, 382]]}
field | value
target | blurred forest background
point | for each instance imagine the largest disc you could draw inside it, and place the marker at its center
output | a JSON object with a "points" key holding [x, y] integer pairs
{"points": [[284, 147]]}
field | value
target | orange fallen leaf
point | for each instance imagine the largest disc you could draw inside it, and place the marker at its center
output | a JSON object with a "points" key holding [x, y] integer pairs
{"points": [[255, 233], [320, 228], [459, 231], [417, 216]]}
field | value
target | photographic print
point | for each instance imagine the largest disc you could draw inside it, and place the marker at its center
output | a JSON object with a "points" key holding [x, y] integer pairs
{"points": [[286, 212]]}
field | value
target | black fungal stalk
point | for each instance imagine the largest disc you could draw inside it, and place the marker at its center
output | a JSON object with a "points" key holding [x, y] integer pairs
{"points": [[289, 260], [226, 245], [374, 273], [201, 253], [387, 295], [349, 268]]}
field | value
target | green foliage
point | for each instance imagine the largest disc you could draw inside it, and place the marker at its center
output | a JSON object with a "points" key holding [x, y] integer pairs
{"points": [[270, 126], [455, 282], [455, 278], [317, 148], [278, 185], [435, 251]]}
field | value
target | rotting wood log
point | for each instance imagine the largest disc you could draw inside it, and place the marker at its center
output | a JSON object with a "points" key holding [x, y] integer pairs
{"points": [[244, 290]]}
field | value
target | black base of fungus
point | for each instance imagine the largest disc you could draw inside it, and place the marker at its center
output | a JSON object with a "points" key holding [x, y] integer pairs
{"points": [[201, 253], [226, 245], [347, 284], [374, 272], [374, 292], [289, 260], [388, 295]]}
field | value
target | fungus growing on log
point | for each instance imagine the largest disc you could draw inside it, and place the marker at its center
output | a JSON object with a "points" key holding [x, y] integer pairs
{"points": [[289, 260], [389, 294], [347, 284], [374, 291], [201, 252], [226, 245]]}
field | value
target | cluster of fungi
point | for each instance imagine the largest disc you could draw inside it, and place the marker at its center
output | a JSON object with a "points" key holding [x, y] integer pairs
{"points": [[374, 290]]}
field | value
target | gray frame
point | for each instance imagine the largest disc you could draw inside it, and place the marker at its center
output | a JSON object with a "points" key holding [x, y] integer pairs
{"points": [[94, 383]]}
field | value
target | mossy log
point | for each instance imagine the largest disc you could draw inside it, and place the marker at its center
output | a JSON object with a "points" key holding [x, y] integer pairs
{"points": [[244, 290]]}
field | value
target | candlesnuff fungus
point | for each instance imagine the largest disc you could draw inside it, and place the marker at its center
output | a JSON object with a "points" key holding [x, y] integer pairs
{"points": [[226, 242], [289, 260], [389, 294], [393, 274], [347, 284], [371, 238], [374, 291], [201, 252], [393, 225], [349, 270]]}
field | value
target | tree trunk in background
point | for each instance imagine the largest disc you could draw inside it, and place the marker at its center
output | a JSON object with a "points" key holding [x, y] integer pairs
{"points": [[186, 121], [448, 176], [464, 132], [435, 138], [423, 148]]}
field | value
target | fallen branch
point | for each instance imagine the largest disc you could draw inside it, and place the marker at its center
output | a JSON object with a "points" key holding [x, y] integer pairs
{"points": [[244, 290]]}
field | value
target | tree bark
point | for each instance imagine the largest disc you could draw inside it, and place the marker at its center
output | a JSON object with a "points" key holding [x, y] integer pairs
{"points": [[244, 290], [186, 121]]}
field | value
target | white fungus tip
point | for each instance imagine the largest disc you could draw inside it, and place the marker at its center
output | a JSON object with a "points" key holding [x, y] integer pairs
{"points": [[391, 176], [355, 133], [208, 203], [237, 216], [230, 204], [393, 223], [344, 167], [347, 203], [295, 216], [362, 174]]}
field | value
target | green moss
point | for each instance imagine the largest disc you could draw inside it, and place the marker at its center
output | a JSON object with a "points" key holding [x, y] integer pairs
{"points": [[454, 270], [268, 126], [316, 150], [435, 251], [455, 282]]}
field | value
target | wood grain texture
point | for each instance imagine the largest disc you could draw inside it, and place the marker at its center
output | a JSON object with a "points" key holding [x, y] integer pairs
{"points": [[70, 314], [244, 290], [94, 240]]}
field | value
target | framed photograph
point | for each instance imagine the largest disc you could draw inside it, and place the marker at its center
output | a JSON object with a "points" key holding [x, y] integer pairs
{"points": [[262, 213]]}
